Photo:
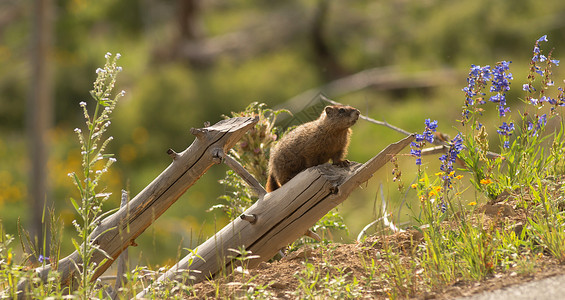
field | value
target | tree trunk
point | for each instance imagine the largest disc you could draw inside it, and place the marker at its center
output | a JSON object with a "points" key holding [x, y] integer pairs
{"points": [[39, 119]]}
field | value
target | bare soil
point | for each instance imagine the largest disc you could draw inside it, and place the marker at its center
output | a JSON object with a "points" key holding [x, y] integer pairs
{"points": [[280, 278]]}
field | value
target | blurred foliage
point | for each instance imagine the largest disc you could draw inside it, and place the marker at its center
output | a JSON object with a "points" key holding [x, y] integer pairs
{"points": [[167, 93]]}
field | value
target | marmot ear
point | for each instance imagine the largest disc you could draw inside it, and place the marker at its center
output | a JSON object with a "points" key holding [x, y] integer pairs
{"points": [[328, 110]]}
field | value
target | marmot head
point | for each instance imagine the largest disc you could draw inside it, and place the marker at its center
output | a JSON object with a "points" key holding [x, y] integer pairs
{"points": [[341, 116]]}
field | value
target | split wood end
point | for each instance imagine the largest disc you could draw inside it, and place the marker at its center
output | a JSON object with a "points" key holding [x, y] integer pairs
{"points": [[172, 154], [249, 218]]}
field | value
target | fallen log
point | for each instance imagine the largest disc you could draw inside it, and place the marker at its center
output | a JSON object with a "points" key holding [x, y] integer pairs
{"points": [[278, 219], [119, 230]]}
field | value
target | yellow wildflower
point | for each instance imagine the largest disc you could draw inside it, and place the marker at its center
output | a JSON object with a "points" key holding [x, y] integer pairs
{"points": [[435, 191], [486, 181]]}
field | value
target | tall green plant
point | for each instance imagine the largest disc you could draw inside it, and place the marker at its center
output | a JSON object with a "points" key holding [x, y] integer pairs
{"points": [[95, 163]]}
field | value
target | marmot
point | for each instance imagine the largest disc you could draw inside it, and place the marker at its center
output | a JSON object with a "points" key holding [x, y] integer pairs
{"points": [[311, 144]]}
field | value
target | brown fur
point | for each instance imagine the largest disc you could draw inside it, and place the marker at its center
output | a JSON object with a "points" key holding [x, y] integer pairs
{"points": [[311, 144]]}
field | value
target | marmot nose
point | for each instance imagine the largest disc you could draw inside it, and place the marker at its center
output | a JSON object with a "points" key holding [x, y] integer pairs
{"points": [[355, 114]]}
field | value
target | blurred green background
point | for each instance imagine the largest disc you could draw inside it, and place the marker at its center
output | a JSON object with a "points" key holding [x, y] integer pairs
{"points": [[188, 62]]}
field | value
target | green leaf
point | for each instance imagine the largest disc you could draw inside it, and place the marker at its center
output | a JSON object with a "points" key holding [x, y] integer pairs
{"points": [[77, 181], [75, 205], [77, 246]]}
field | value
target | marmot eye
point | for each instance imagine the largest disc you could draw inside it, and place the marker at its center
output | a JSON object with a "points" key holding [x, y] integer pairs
{"points": [[342, 110]]}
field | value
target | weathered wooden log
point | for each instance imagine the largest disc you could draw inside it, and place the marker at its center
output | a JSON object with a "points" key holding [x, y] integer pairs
{"points": [[123, 258], [118, 231], [279, 218]]}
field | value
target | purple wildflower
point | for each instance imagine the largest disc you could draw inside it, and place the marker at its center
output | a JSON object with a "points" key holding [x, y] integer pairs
{"points": [[537, 56], [560, 101], [542, 120], [528, 88], [477, 80], [537, 50], [546, 81], [42, 258], [421, 139], [500, 84], [543, 38], [448, 159], [431, 127], [443, 206], [547, 99], [540, 124], [502, 110], [500, 79], [542, 58], [415, 149], [506, 129]]}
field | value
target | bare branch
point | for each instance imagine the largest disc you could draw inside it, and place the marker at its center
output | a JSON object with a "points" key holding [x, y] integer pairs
{"points": [[248, 178]]}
